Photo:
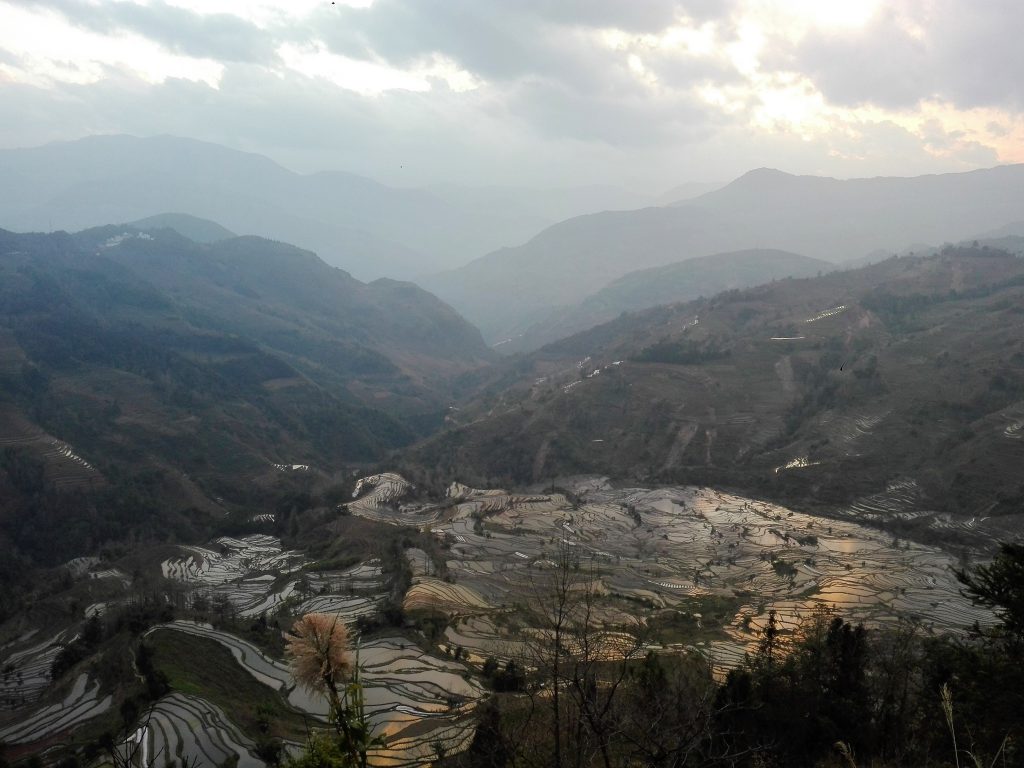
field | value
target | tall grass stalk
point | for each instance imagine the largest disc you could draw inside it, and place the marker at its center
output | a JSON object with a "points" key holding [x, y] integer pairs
{"points": [[947, 708]]}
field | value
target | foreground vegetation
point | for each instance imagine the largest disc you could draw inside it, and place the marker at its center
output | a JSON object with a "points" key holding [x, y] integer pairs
{"points": [[832, 694]]}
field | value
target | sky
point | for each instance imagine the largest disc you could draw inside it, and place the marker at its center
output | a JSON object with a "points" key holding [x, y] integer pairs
{"points": [[645, 94]]}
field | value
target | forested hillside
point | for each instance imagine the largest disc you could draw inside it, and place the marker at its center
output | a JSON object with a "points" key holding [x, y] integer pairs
{"points": [[150, 384]]}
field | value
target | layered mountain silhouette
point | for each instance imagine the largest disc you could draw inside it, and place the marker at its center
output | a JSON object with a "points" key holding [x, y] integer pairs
{"points": [[873, 392], [504, 292], [370, 229], [682, 281], [193, 227]]}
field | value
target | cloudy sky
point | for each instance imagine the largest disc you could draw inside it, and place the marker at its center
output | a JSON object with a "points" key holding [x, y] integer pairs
{"points": [[644, 93]]}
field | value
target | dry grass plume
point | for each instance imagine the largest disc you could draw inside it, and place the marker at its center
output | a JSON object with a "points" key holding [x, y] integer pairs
{"points": [[318, 650]]}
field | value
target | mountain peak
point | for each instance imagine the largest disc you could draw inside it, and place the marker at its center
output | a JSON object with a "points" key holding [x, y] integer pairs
{"points": [[761, 177], [765, 172], [195, 228]]}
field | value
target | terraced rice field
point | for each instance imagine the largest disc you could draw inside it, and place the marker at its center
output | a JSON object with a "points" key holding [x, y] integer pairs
{"points": [[419, 562], [234, 558], [413, 698], [376, 497], [15, 429], [367, 576], [900, 499], [801, 462], [38, 709], [428, 592], [256, 576], [81, 703], [381, 489], [110, 573], [266, 517], [292, 467], [250, 572], [63, 466], [182, 726], [668, 552], [416, 699], [672, 547], [826, 313], [265, 669], [66, 469], [80, 566], [349, 607], [849, 430], [26, 669]]}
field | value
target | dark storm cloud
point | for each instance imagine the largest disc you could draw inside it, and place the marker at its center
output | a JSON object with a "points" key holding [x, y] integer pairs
{"points": [[966, 53], [216, 36]]}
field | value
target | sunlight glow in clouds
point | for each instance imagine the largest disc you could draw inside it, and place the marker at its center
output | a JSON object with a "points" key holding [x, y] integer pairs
{"points": [[263, 13], [793, 14], [314, 60], [782, 102], [49, 50], [619, 80], [371, 78]]}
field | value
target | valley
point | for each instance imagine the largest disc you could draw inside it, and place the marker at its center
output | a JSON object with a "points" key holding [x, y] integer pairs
{"points": [[835, 220], [700, 470], [887, 394], [653, 555], [404, 384], [670, 570]]}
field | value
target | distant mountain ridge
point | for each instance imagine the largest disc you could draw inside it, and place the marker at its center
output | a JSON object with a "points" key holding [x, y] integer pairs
{"points": [[683, 193], [368, 228], [681, 281], [193, 227], [505, 291]]}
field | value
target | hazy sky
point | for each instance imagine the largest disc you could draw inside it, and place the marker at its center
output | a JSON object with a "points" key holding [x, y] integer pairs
{"points": [[646, 93]]}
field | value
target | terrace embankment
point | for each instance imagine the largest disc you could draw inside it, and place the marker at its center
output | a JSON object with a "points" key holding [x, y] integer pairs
{"points": [[674, 568], [664, 557]]}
